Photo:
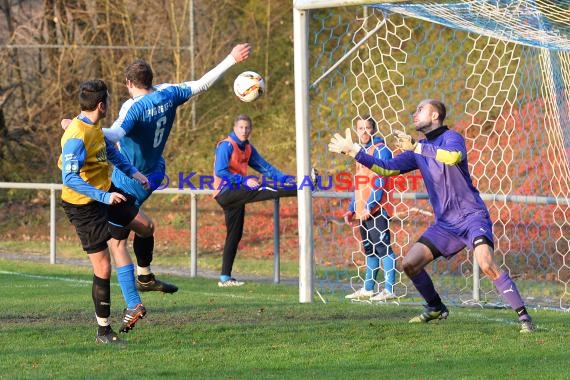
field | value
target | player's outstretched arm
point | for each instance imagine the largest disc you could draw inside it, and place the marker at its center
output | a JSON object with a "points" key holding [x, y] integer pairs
{"points": [[401, 164], [239, 53], [451, 153]]}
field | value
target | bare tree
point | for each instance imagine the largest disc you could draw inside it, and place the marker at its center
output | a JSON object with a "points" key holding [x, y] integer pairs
{"points": [[53, 45]]}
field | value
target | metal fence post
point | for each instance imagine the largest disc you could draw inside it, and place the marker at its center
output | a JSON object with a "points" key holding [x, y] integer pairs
{"points": [[476, 279], [52, 232], [276, 242], [193, 235]]}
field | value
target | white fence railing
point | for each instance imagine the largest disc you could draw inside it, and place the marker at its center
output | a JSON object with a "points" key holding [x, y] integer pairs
{"points": [[194, 193], [53, 188]]}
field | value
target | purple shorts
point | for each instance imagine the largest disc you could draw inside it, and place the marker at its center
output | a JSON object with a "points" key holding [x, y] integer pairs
{"points": [[450, 240]]}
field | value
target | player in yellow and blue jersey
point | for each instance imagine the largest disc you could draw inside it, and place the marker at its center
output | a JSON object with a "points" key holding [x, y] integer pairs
{"points": [[96, 208]]}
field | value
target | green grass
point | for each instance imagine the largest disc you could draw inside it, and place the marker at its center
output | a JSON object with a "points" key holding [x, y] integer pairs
{"points": [[259, 331], [177, 258]]}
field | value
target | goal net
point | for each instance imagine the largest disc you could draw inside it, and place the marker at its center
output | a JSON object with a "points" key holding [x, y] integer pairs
{"points": [[503, 70]]}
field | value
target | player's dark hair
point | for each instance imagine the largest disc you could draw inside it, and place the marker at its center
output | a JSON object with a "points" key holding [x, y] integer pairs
{"points": [[243, 117], [140, 73], [371, 122], [91, 93], [440, 108]]}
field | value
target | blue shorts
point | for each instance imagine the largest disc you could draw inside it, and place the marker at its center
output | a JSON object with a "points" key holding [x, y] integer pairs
{"points": [[445, 240], [134, 188]]}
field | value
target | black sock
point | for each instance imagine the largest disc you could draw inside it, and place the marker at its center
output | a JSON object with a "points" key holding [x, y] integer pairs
{"points": [[101, 294], [104, 330], [143, 248], [523, 314]]}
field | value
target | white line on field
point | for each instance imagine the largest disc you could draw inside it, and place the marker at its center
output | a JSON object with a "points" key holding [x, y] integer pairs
{"points": [[481, 316], [227, 295], [47, 277], [321, 297], [486, 318]]}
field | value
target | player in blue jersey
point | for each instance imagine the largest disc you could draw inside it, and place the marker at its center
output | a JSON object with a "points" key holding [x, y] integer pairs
{"points": [[91, 202], [142, 129], [462, 219], [369, 205]]}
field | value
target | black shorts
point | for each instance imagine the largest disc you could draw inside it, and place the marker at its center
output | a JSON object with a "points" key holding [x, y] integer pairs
{"points": [[90, 222], [121, 214]]}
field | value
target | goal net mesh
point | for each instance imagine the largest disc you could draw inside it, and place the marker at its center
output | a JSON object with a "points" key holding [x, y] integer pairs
{"points": [[503, 70]]}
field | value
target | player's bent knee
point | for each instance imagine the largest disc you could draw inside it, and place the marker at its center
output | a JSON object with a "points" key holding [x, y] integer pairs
{"points": [[146, 231], [102, 269], [143, 228], [409, 268]]}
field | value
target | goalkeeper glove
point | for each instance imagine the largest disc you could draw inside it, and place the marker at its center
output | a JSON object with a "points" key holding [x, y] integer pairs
{"points": [[405, 141], [344, 145]]}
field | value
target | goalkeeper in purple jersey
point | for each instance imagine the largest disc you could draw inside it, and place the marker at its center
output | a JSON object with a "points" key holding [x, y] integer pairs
{"points": [[142, 129], [462, 219]]}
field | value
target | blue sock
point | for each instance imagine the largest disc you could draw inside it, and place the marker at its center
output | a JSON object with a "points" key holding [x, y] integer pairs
{"points": [[389, 263], [372, 265], [126, 278], [224, 278]]}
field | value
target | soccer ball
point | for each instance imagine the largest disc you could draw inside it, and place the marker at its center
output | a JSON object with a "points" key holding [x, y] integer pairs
{"points": [[248, 86]]}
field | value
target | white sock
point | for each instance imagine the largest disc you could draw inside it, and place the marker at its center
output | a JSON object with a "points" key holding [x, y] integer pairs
{"points": [[103, 321], [143, 271]]}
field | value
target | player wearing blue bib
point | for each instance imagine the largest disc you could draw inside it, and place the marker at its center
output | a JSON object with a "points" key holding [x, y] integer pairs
{"points": [[369, 206], [461, 217], [142, 129]]}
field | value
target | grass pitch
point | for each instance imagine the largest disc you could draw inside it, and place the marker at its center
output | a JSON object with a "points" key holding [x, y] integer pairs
{"points": [[258, 331]]}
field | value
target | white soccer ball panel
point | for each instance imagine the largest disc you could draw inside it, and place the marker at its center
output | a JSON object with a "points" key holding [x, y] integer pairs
{"points": [[249, 86]]}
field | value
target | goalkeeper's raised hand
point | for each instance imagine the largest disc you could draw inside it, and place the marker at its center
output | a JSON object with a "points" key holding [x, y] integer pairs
{"points": [[344, 145], [405, 141]]}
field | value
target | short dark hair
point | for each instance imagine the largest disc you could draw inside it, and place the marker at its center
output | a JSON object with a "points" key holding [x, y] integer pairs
{"points": [[370, 120], [140, 73], [91, 93], [440, 108], [243, 117]]}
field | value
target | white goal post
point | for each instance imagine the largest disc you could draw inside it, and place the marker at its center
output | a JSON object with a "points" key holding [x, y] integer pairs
{"points": [[503, 67], [302, 127]]}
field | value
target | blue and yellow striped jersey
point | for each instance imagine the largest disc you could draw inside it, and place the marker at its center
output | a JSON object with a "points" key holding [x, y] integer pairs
{"points": [[85, 163]]}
